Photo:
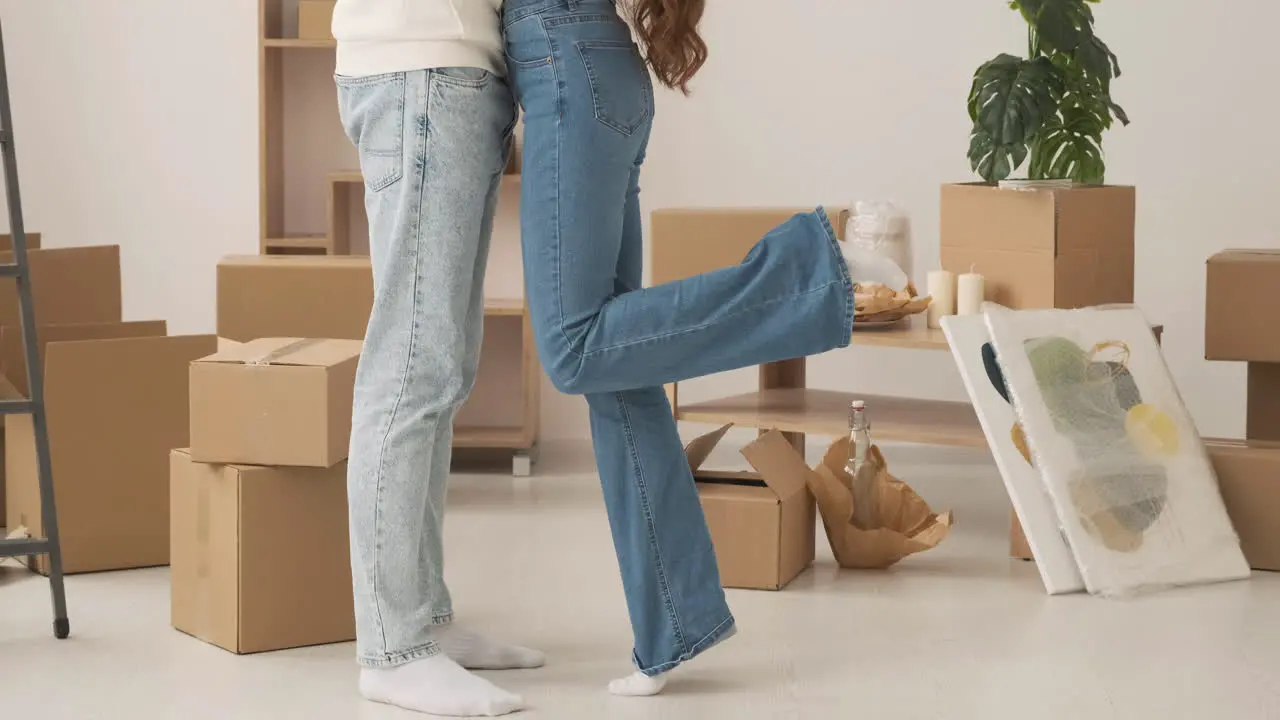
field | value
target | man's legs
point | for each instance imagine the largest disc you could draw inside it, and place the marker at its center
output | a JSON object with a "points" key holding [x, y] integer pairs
{"points": [[432, 149]]}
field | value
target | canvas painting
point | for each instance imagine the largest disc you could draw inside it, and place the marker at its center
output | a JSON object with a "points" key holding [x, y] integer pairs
{"points": [[1130, 480], [975, 357]]}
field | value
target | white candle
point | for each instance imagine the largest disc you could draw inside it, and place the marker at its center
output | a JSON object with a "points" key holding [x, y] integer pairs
{"points": [[971, 291], [942, 288]]}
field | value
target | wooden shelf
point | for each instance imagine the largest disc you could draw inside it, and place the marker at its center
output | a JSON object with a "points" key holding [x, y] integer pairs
{"points": [[503, 307], [297, 242], [826, 412], [299, 44], [498, 438], [915, 334]]}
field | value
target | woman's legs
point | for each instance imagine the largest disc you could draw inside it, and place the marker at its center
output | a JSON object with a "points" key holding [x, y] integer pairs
{"points": [[670, 577], [588, 109], [431, 147]]}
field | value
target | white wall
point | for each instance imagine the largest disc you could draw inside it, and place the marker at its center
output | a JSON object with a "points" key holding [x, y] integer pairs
{"points": [[148, 138]]}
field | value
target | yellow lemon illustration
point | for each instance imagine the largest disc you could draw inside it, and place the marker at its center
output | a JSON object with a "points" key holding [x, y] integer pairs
{"points": [[1020, 442], [1152, 431]]}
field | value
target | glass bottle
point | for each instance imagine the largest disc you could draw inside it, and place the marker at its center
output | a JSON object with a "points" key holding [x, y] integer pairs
{"points": [[862, 479], [859, 437]]}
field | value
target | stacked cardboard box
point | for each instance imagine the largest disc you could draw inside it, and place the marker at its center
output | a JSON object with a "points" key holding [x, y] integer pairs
{"points": [[1242, 293], [261, 557], [115, 398]]}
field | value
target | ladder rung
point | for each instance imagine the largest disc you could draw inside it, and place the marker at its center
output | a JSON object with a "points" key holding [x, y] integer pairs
{"points": [[10, 270], [15, 407], [23, 546]]}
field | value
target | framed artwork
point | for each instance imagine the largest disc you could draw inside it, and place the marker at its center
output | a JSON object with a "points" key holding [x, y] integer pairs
{"points": [[975, 357], [1133, 488]]}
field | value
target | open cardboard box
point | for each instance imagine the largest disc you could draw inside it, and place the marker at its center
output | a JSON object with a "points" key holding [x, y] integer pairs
{"points": [[116, 403], [68, 285], [762, 525]]}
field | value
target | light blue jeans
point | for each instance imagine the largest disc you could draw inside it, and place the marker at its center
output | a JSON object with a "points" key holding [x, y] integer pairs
{"points": [[432, 147], [588, 105]]}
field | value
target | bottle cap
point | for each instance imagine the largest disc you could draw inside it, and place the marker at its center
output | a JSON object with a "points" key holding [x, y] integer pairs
{"points": [[857, 405]]}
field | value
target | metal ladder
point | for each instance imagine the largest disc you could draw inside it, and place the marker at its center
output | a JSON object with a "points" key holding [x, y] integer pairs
{"points": [[19, 270]]}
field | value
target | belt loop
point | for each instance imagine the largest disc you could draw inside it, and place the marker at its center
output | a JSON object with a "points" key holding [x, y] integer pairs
{"points": [[572, 4]]}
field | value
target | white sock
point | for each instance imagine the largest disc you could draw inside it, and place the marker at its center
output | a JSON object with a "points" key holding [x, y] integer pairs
{"points": [[474, 651], [637, 684], [437, 685], [868, 266]]}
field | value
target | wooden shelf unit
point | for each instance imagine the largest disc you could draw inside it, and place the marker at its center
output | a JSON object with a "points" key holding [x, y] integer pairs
{"points": [[826, 412], [520, 437], [783, 401]]}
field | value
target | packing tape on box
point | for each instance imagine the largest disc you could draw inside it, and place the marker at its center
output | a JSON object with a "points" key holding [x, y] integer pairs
{"points": [[274, 355], [204, 605]]}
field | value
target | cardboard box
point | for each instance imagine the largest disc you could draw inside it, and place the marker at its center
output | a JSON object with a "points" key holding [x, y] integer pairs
{"points": [[33, 241], [1249, 478], [266, 296], [1242, 295], [13, 358], [762, 526], [1019, 548], [1043, 249], [1263, 419], [274, 401], [115, 408], [691, 241], [6, 391], [68, 285], [261, 556], [315, 19]]}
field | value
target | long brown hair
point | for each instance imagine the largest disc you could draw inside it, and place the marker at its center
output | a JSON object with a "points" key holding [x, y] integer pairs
{"points": [[669, 32]]}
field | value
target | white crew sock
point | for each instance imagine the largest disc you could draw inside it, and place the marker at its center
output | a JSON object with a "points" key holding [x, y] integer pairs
{"points": [[437, 685], [637, 684], [869, 266], [474, 651]]}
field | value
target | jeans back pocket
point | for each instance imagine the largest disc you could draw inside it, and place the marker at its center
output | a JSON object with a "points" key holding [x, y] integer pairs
{"points": [[372, 111], [620, 86]]}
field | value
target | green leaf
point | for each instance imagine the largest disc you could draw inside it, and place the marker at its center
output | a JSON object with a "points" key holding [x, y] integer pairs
{"points": [[1011, 97], [1070, 150], [1096, 59], [1060, 24], [992, 162], [1117, 111]]}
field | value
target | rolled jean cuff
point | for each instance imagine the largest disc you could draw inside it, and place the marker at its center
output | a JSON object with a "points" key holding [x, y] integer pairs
{"points": [[706, 643], [843, 268], [391, 660]]}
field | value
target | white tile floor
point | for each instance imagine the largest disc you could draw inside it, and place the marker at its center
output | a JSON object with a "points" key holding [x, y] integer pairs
{"points": [[958, 633]]}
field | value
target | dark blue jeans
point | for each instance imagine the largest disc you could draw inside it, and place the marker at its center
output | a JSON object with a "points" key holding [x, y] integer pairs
{"points": [[588, 104]]}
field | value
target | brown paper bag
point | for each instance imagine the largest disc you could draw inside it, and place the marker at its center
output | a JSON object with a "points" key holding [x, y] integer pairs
{"points": [[904, 525]]}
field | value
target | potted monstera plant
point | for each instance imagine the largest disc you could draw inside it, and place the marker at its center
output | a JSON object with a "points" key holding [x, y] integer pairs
{"points": [[1066, 240]]}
